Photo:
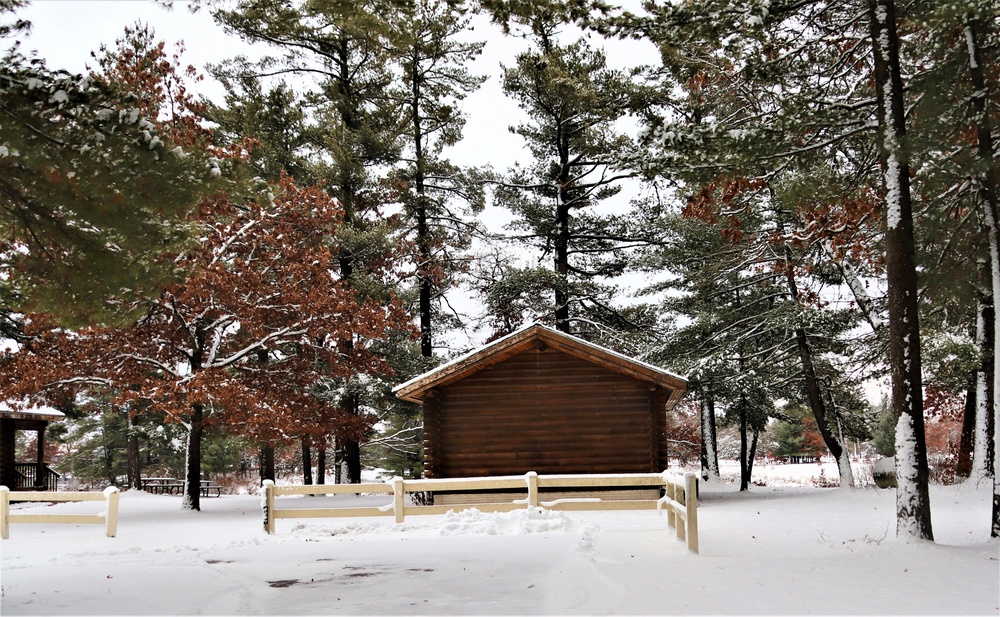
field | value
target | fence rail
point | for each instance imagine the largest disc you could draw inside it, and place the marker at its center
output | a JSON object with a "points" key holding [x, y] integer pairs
{"points": [[681, 501], [680, 498], [108, 518]]}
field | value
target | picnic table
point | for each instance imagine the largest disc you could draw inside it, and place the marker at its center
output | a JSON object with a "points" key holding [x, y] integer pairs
{"points": [[163, 486], [173, 486], [207, 486]]}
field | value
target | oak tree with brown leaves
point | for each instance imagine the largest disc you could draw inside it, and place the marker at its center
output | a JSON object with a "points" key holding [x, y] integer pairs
{"points": [[260, 319]]}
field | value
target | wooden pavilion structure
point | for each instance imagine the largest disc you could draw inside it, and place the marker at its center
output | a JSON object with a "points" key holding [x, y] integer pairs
{"points": [[542, 400], [30, 476]]}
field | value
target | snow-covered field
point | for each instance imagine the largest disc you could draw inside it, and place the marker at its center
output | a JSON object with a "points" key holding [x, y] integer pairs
{"points": [[774, 550]]}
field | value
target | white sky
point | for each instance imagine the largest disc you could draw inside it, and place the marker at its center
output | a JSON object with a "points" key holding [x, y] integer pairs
{"points": [[66, 31]]}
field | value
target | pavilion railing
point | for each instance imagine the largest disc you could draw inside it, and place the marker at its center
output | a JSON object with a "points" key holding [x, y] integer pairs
{"points": [[28, 479]]}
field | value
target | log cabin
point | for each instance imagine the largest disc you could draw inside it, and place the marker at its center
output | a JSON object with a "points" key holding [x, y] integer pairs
{"points": [[544, 401]]}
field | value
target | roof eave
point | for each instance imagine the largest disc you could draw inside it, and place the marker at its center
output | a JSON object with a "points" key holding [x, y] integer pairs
{"points": [[521, 340]]}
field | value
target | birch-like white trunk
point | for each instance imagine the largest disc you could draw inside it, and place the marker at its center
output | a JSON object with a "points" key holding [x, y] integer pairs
{"points": [[844, 467], [913, 511], [980, 433], [710, 472], [995, 256], [186, 503], [991, 212], [993, 224]]}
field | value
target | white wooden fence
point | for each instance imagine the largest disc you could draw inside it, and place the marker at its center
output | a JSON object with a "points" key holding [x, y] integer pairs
{"points": [[680, 499], [108, 518]]}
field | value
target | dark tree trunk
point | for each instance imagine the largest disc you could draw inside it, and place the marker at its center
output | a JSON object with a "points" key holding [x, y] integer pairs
{"points": [[424, 268], [321, 463], [983, 430], [133, 466], [192, 481], [562, 267], [352, 458], [351, 448], [307, 472], [964, 465], [913, 511], [991, 210], [267, 463], [424, 276], [745, 468], [562, 238]]}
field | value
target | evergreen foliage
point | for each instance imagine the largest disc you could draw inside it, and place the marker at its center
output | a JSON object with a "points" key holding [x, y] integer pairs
{"points": [[95, 193], [574, 103]]}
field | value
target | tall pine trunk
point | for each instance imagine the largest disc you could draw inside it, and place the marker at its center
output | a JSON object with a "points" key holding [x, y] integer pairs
{"points": [[748, 446], [267, 471], [424, 276], [982, 455], [321, 462], [562, 257], [913, 510], [966, 443], [991, 216], [307, 470], [133, 464], [709, 441], [350, 403]]}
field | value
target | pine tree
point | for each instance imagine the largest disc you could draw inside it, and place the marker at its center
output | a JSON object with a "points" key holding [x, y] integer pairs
{"points": [[913, 516], [573, 101], [94, 191], [733, 343], [433, 81], [270, 121], [810, 66]]}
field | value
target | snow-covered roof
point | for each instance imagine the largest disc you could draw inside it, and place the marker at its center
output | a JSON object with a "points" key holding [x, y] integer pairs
{"points": [[23, 411], [524, 339]]}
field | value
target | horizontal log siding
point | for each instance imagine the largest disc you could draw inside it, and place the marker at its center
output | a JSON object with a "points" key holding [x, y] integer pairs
{"points": [[658, 400], [544, 411]]}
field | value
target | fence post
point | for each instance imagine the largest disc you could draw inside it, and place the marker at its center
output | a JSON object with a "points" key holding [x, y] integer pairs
{"points": [[4, 512], [532, 479], [679, 519], [671, 496], [398, 493], [268, 503], [111, 495], [691, 480]]}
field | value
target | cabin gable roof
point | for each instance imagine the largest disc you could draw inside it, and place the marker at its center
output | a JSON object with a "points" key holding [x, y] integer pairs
{"points": [[537, 336]]}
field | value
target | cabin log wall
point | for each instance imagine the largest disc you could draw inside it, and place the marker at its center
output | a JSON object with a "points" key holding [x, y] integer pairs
{"points": [[547, 411]]}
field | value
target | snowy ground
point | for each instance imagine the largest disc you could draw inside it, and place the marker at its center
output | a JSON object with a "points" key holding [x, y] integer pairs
{"points": [[775, 550]]}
